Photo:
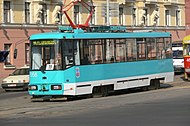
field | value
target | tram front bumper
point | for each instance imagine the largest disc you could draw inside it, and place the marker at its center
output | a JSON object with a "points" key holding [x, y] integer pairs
{"points": [[52, 89], [48, 98]]}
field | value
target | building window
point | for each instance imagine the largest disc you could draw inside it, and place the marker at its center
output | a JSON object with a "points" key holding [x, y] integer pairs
{"points": [[145, 17], [7, 48], [167, 17], [178, 19], [121, 15], [59, 15], [92, 20], [27, 56], [134, 16], [7, 13], [156, 17], [76, 14], [44, 14], [27, 12]]}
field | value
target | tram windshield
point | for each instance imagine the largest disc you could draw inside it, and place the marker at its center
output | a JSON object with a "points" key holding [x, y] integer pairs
{"points": [[54, 54], [46, 54]]}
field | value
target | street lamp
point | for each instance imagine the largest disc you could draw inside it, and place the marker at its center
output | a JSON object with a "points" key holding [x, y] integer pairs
{"points": [[17, 43]]}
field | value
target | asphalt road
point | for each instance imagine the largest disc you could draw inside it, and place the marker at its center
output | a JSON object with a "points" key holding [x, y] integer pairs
{"points": [[8, 95], [169, 106]]}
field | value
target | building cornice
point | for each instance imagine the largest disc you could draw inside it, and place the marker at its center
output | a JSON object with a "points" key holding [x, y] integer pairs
{"points": [[54, 26]]}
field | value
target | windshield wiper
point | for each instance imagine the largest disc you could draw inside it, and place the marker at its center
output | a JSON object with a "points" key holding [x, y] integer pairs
{"points": [[42, 69]]}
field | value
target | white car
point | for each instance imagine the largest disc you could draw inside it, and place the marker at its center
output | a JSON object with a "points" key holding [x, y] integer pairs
{"points": [[178, 60], [18, 80]]}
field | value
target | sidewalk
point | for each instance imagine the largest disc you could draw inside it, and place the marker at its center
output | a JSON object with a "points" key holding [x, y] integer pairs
{"points": [[1, 89]]}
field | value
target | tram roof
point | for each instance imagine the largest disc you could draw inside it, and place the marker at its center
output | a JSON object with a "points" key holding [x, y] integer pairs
{"points": [[186, 39], [97, 35]]}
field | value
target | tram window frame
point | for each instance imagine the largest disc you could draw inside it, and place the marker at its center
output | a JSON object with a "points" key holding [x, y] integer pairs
{"points": [[120, 50], [68, 46], [104, 51], [95, 51], [141, 49], [84, 52], [160, 48], [109, 50], [131, 50], [151, 48]]}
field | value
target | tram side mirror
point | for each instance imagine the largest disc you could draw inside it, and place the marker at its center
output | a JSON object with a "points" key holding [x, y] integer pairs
{"points": [[15, 53]]}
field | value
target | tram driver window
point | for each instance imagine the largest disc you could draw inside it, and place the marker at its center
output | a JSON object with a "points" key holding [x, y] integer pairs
{"points": [[84, 52], [68, 54]]}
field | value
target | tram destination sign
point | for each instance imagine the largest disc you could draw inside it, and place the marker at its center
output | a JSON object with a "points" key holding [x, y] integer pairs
{"points": [[44, 42]]}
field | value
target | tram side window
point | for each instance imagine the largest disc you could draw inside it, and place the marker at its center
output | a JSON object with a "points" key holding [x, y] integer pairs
{"points": [[109, 51], [68, 54], [56, 58], [151, 48], [95, 51], [160, 52], [120, 50], [131, 51], [84, 52], [168, 48], [141, 49]]}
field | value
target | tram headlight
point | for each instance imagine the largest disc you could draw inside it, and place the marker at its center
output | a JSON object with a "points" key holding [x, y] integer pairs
{"points": [[56, 87], [32, 87]]}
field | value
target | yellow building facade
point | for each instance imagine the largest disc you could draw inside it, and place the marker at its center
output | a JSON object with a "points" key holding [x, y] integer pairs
{"points": [[121, 12], [21, 18]]}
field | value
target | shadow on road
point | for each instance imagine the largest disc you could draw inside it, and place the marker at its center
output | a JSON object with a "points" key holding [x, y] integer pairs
{"points": [[115, 93], [165, 86]]}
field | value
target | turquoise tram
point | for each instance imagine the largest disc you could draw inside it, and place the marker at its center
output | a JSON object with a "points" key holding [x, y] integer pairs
{"points": [[75, 62]]}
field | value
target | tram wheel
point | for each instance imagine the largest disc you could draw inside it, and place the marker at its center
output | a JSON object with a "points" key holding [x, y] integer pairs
{"points": [[102, 91], [96, 93], [154, 84]]}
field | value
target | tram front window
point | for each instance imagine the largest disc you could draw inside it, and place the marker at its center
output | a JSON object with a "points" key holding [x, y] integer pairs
{"points": [[46, 55]]}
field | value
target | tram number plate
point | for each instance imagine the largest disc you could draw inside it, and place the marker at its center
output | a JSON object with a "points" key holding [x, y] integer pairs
{"points": [[11, 85]]}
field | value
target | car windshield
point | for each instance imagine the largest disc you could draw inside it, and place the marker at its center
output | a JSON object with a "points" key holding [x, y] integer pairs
{"points": [[178, 54], [24, 71]]}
